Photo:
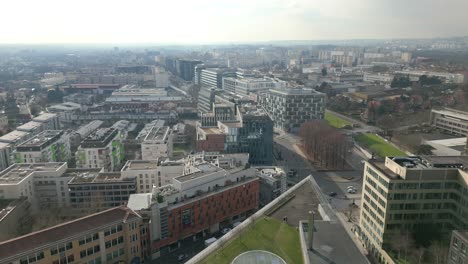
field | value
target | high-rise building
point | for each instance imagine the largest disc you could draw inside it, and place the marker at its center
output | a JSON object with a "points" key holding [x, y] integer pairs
{"points": [[213, 77], [406, 193], [47, 146], [111, 236], [186, 69], [101, 149], [289, 108]]}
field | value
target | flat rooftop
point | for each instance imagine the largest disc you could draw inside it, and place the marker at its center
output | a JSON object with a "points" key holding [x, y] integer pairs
{"points": [[30, 126], [199, 170], [140, 165], [452, 113], [99, 138], [93, 176], [211, 130], [44, 117], [41, 139], [18, 172], [158, 133]]}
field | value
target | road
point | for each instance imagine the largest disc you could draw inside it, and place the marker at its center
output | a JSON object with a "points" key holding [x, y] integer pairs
{"points": [[328, 181]]}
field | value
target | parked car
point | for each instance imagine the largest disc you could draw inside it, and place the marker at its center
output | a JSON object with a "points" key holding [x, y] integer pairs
{"points": [[225, 230], [332, 194], [182, 257], [352, 191]]}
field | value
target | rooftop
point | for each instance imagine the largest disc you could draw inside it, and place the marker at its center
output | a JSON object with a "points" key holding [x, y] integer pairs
{"points": [[44, 117], [198, 171], [296, 91], [93, 176], [65, 232], [99, 138], [452, 113], [158, 133], [30, 126], [211, 130], [13, 136], [140, 165], [41, 140], [18, 172], [69, 106]]}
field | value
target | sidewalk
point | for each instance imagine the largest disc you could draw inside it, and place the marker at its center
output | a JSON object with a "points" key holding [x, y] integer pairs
{"points": [[347, 226]]}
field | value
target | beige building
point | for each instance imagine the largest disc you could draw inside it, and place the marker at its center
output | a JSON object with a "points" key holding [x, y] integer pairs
{"points": [[458, 248], [111, 236], [450, 120], [403, 193]]}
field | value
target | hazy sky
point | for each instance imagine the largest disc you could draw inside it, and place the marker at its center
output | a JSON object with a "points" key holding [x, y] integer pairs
{"points": [[205, 21]]}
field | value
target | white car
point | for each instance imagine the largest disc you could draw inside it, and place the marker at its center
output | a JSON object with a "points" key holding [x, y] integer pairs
{"points": [[352, 191], [350, 187]]}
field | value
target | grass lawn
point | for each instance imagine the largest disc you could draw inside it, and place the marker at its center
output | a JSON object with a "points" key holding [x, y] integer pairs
{"points": [[181, 148], [336, 121], [267, 234], [378, 145]]}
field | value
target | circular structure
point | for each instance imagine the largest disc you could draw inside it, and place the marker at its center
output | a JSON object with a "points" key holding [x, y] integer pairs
{"points": [[258, 257]]}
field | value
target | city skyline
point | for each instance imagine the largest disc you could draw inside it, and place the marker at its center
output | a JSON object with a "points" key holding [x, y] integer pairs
{"points": [[53, 21]]}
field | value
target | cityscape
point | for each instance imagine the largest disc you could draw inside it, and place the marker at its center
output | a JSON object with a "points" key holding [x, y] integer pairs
{"points": [[190, 135]]}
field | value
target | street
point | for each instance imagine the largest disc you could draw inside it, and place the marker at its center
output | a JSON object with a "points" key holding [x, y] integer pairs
{"points": [[328, 181]]}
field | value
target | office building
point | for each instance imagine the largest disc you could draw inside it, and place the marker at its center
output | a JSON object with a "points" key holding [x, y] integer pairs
{"points": [[41, 183], [213, 77], [186, 68], [95, 190], [179, 134], [450, 120], [289, 108], [248, 85], [156, 141], [405, 193], [273, 183], [5, 155], [111, 236], [251, 131], [47, 146], [206, 98], [199, 202], [152, 173], [101, 149]]}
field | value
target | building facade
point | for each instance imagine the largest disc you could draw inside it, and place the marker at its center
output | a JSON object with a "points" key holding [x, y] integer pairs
{"points": [[101, 149], [289, 108], [450, 120], [406, 193], [458, 248], [111, 236], [47, 146]]}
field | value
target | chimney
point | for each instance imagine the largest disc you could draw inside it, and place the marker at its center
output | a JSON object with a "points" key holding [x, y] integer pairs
{"points": [[310, 230]]}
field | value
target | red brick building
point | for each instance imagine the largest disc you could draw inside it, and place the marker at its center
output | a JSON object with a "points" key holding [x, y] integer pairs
{"points": [[212, 142], [200, 214]]}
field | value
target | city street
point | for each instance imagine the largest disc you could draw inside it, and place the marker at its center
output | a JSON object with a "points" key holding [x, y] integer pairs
{"points": [[286, 156]]}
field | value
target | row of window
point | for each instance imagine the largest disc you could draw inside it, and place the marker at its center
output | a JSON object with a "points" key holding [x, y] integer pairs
{"points": [[114, 242], [61, 248], [113, 230], [90, 251], [115, 254], [88, 239], [32, 258]]}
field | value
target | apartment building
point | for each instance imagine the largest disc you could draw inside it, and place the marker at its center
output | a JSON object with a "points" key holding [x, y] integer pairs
{"points": [[83, 131], [15, 137], [201, 201], [101, 149], [47, 146], [152, 173], [450, 120], [31, 127], [111, 236], [404, 193], [289, 108], [213, 77], [156, 141]]}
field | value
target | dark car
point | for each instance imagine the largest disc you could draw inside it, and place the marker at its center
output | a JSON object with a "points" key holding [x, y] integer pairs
{"points": [[332, 194]]}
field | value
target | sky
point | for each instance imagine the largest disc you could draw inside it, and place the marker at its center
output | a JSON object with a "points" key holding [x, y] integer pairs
{"points": [[229, 21]]}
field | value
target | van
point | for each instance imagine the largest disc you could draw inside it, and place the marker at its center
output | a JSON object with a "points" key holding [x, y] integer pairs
{"points": [[210, 241]]}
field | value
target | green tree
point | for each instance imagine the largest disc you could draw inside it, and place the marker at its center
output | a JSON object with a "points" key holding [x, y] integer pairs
{"points": [[324, 71], [400, 82]]}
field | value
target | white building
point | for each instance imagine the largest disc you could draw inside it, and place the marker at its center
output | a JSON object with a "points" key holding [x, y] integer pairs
{"points": [[152, 173], [15, 137], [83, 131], [41, 183], [131, 94], [47, 146], [245, 86], [378, 77], [446, 77], [158, 143], [49, 120], [31, 127], [101, 149]]}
